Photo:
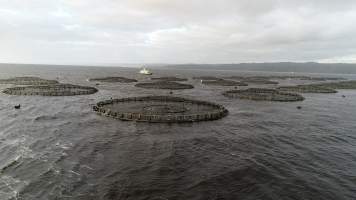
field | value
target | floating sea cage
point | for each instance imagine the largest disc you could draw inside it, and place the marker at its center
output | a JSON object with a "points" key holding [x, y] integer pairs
{"points": [[258, 80], [160, 109], [223, 82], [51, 90], [169, 85], [168, 78], [28, 80], [328, 87], [264, 94], [307, 89], [114, 80]]}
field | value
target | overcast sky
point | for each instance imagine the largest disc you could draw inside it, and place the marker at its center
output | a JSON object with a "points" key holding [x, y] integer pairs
{"points": [[177, 31]]}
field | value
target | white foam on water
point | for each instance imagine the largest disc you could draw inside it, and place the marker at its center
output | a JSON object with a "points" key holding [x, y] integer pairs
{"points": [[10, 187]]}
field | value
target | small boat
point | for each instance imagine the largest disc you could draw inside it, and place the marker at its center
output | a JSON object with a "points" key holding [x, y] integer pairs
{"points": [[145, 71], [18, 106]]}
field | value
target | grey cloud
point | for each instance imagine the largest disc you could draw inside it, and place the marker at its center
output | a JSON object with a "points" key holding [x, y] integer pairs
{"points": [[176, 31]]}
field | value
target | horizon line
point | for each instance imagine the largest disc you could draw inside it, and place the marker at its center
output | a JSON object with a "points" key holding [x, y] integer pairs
{"points": [[168, 64]]}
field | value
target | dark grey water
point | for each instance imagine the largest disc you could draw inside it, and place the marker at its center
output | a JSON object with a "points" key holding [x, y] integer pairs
{"points": [[57, 148]]}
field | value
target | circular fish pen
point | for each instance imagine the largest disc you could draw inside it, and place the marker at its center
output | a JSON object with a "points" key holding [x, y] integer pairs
{"points": [[263, 94], [168, 78], [51, 90], [254, 80], [206, 78], [169, 85], [345, 85], [321, 78], [261, 82], [160, 109], [310, 78], [222, 82], [307, 89], [113, 80], [27, 80]]}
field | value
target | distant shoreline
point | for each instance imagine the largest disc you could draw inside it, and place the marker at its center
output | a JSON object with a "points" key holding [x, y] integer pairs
{"points": [[283, 67], [287, 67]]}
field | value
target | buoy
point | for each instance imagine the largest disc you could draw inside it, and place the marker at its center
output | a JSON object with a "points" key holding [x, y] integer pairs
{"points": [[18, 106], [299, 107], [343, 96], [170, 92]]}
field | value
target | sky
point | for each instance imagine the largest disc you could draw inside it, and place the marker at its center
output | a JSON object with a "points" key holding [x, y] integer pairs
{"points": [[177, 31]]}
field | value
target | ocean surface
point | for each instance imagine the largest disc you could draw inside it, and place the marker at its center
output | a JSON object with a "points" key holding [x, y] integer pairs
{"points": [[57, 148]]}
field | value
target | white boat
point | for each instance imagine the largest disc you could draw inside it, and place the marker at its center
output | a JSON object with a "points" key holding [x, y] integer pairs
{"points": [[145, 71]]}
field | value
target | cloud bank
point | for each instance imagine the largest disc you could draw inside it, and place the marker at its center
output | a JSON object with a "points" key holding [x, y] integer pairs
{"points": [[177, 31]]}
